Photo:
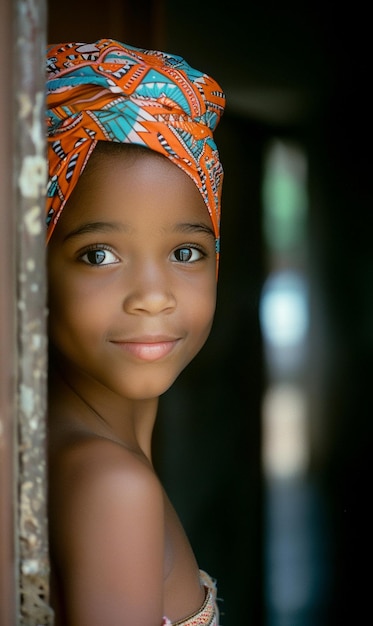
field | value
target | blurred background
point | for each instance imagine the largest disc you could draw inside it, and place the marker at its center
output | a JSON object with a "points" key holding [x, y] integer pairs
{"points": [[264, 443]]}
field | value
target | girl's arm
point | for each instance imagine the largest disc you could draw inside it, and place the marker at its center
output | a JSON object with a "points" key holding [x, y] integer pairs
{"points": [[107, 537]]}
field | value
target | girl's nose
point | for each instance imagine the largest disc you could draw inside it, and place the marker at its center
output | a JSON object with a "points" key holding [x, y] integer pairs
{"points": [[151, 294]]}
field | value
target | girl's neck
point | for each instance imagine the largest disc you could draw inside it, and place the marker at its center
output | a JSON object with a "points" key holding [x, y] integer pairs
{"points": [[78, 401]]}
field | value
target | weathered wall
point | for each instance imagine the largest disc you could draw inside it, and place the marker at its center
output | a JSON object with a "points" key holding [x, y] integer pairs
{"points": [[23, 532], [30, 179], [7, 329]]}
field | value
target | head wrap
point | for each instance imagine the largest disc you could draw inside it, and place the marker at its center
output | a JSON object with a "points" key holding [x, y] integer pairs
{"points": [[114, 92]]}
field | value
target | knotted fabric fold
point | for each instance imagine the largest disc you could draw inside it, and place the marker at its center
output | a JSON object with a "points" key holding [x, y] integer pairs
{"points": [[114, 92]]}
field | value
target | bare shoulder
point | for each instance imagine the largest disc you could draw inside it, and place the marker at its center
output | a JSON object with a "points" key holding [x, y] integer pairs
{"points": [[107, 532], [91, 463], [96, 475]]}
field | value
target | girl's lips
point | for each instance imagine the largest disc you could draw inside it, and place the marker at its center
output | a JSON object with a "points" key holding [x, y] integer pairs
{"points": [[148, 350]]}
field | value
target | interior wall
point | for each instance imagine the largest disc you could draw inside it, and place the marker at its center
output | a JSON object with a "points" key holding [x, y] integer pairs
{"points": [[343, 163]]}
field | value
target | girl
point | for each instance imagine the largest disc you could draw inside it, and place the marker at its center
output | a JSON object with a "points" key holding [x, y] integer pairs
{"points": [[133, 208]]}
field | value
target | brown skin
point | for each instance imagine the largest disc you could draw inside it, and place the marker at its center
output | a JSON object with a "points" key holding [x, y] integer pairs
{"points": [[120, 332]]}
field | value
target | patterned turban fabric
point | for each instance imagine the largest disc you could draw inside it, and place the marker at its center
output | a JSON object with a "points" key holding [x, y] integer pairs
{"points": [[107, 91]]}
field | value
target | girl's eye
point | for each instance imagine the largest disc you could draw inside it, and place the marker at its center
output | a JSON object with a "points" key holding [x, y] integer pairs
{"points": [[99, 256], [188, 254]]}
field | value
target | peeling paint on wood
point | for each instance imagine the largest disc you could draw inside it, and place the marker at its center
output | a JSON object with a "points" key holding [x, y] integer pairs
{"points": [[31, 168]]}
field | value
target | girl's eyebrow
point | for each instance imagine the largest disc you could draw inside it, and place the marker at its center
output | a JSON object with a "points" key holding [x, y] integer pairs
{"points": [[192, 227], [109, 227], [95, 227]]}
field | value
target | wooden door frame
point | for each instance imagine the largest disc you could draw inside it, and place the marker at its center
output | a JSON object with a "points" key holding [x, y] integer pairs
{"points": [[24, 565]]}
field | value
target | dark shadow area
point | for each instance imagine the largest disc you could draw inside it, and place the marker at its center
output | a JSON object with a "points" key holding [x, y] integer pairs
{"points": [[298, 71]]}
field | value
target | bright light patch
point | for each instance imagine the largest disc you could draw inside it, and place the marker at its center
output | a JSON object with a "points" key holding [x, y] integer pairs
{"points": [[284, 310], [285, 450]]}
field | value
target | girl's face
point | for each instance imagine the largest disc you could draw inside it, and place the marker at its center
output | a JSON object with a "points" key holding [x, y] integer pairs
{"points": [[132, 284]]}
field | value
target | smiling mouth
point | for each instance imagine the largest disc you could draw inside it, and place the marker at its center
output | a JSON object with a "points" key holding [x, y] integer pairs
{"points": [[147, 350]]}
